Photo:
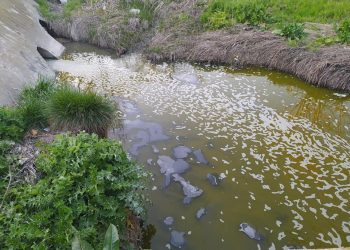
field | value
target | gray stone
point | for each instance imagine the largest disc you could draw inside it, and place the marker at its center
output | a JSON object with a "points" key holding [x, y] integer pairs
{"points": [[200, 213], [168, 167], [200, 157], [250, 232], [189, 190], [177, 239], [169, 221], [213, 179], [181, 152]]}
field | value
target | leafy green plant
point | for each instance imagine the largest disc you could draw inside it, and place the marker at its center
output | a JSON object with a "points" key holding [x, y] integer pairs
{"points": [[77, 110], [219, 20], [12, 126], [223, 13], [293, 31], [111, 241], [86, 183], [32, 103], [343, 31]]}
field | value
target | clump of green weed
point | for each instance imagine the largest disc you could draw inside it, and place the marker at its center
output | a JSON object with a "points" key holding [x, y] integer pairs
{"points": [[76, 110], [293, 31], [86, 183], [12, 126], [343, 31]]}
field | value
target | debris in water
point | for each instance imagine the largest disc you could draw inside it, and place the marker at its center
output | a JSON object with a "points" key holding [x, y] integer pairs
{"points": [[250, 232]]}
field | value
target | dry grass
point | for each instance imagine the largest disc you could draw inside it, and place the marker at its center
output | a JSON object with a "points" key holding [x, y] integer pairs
{"points": [[329, 67]]}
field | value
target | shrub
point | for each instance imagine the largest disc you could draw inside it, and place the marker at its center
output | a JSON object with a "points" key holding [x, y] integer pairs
{"points": [[343, 31], [87, 183], [76, 110], [12, 126], [33, 101], [293, 31]]}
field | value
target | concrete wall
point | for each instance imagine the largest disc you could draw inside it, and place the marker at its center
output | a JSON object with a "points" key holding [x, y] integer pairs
{"points": [[20, 37]]}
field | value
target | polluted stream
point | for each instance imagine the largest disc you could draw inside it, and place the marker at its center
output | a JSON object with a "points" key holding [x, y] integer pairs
{"points": [[241, 159]]}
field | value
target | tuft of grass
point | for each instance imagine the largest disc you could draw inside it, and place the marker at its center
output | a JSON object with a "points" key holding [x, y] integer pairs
{"points": [[32, 103], [76, 110]]}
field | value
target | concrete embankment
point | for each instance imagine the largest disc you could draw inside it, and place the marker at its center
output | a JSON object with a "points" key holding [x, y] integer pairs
{"points": [[23, 45]]}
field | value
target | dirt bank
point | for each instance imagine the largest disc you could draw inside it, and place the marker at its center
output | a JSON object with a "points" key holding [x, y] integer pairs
{"points": [[177, 35], [329, 67]]}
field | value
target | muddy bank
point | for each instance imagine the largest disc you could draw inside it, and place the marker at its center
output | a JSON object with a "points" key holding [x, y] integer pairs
{"points": [[23, 45], [329, 67]]}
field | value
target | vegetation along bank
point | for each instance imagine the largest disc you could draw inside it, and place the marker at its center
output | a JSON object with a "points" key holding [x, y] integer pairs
{"points": [[63, 183], [308, 39]]}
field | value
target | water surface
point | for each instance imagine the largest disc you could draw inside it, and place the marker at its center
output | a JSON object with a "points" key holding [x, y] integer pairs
{"points": [[280, 146]]}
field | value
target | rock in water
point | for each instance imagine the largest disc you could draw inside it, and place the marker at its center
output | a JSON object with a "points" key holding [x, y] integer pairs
{"points": [[251, 232], [189, 190], [168, 221], [213, 179], [177, 239], [200, 213], [200, 156], [169, 167], [181, 152]]}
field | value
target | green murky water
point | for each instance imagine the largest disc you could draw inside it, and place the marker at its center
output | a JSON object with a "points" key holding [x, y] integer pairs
{"points": [[280, 145]]}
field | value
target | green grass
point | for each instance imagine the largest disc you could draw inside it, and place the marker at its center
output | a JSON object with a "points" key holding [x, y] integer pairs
{"points": [[44, 9], [71, 6], [75, 110], [279, 11]]}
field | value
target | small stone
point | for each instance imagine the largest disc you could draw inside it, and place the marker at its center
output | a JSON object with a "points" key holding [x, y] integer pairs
{"points": [[213, 179], [181, 152], [250, 232], [169, 221], [200, 157], [200, 213], [177, 239], [149, 162]]}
